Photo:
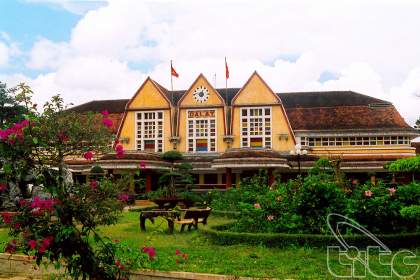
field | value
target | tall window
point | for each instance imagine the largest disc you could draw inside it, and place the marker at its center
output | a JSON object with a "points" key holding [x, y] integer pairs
{"points": [[201, 128], [256, 127], [149, 135]]}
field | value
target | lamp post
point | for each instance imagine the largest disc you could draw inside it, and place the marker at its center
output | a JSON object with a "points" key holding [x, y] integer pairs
{"points": [[298, 151]]}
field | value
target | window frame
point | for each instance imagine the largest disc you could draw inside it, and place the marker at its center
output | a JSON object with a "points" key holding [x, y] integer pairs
{"points": [[142, 138], [263, 129], [194, 137]]}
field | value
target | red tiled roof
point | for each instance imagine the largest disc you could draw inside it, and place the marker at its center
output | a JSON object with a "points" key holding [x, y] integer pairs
{"points": [[330, 110], [344, 117]]}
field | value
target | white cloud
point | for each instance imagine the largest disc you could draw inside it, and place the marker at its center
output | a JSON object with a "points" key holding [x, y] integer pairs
{"points": [[406, 96], [46, 54], [8, 49], [371, 45]]}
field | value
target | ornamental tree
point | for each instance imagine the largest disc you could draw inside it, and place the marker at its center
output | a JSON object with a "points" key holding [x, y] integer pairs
{"points": [[61, 224], [10, 109], [408, 165]]}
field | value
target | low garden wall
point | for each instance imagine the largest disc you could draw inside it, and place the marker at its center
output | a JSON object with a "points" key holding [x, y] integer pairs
{"points": [[222, 236], [17, 265]]}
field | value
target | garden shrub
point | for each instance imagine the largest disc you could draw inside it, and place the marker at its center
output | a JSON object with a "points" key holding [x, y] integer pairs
{"points": [[223, 235], [302, 205], [412, 215], [247, 192], [378, 206]]}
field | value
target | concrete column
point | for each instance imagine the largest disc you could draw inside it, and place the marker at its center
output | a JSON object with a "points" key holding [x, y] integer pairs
{"points": [[270, 176], [201, 179], [237, 179], [219, 178], [148, 181], [373, 179], [228, 178]]}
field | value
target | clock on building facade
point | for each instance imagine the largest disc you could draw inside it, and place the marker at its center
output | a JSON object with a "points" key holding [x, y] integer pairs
{"points": [[201, 94]]}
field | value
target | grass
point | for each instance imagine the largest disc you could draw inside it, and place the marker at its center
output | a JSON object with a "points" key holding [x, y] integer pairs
{"points": [[238, 260]]}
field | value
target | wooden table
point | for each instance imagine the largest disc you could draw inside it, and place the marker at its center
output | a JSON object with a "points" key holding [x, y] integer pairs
{"points": [[169, 215]]}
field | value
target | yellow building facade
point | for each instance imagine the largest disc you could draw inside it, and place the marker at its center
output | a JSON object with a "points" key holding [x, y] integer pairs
{"points": [[230, 133]]}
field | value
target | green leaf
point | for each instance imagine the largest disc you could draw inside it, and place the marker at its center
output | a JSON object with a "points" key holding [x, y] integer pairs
{"points": [[35, 140], [7, 168]]}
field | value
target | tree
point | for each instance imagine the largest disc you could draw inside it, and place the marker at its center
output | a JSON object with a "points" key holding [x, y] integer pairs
{"points": [[179, 174], [61, 225], [409, 165], [9, 108], [417, 125]]}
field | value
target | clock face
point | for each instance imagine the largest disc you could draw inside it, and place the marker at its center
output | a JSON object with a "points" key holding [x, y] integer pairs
{"points": [[201, 94]]}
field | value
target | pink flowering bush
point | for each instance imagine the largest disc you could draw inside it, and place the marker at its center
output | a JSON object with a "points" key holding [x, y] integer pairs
{"points": [[302, 205], [61, 225]]}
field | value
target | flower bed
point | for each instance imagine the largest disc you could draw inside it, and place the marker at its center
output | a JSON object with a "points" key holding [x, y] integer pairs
{"points": [[221, 235]]}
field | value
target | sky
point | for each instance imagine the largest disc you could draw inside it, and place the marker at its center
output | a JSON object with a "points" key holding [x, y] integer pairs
{"points": [[104, 49]]}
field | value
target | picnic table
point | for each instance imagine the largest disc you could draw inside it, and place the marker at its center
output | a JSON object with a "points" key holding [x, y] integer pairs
{"points": [[191, 218], [169, 215]]}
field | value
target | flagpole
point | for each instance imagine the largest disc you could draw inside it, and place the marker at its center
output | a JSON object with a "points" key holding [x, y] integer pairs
{"points": [[226, 95], [172, 86], [226, 82]]}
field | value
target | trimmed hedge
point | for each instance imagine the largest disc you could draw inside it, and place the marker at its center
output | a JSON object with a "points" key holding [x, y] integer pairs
{"points": [[220, 235], [227, 214]]}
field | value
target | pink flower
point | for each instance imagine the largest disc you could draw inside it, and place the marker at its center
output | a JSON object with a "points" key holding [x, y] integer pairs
{"points": [[7, 217], [150, 251], [107, 122], [105, 113], [46, 242], [22, 202], [36, 202], [392, 191], [257, 206], [42, 249], [119, 149], [93, 184], [123, 197], [3, 187], [142, 165], [32, 244], [24, 123], [368, 193], [88, 155], [177, 252], [41, 205], [11, 247], [17, 225], [63, 137], [270, 218]]}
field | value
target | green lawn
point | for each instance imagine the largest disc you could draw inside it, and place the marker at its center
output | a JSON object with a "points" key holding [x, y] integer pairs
{"points": [[239, 260]]}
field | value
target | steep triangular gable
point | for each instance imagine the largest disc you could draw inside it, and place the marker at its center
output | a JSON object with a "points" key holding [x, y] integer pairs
{"points": [[214, 98], [149, 95], [255, 91]]}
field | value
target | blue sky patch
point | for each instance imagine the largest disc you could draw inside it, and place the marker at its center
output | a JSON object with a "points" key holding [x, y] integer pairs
{"points": [[327, 76]]}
